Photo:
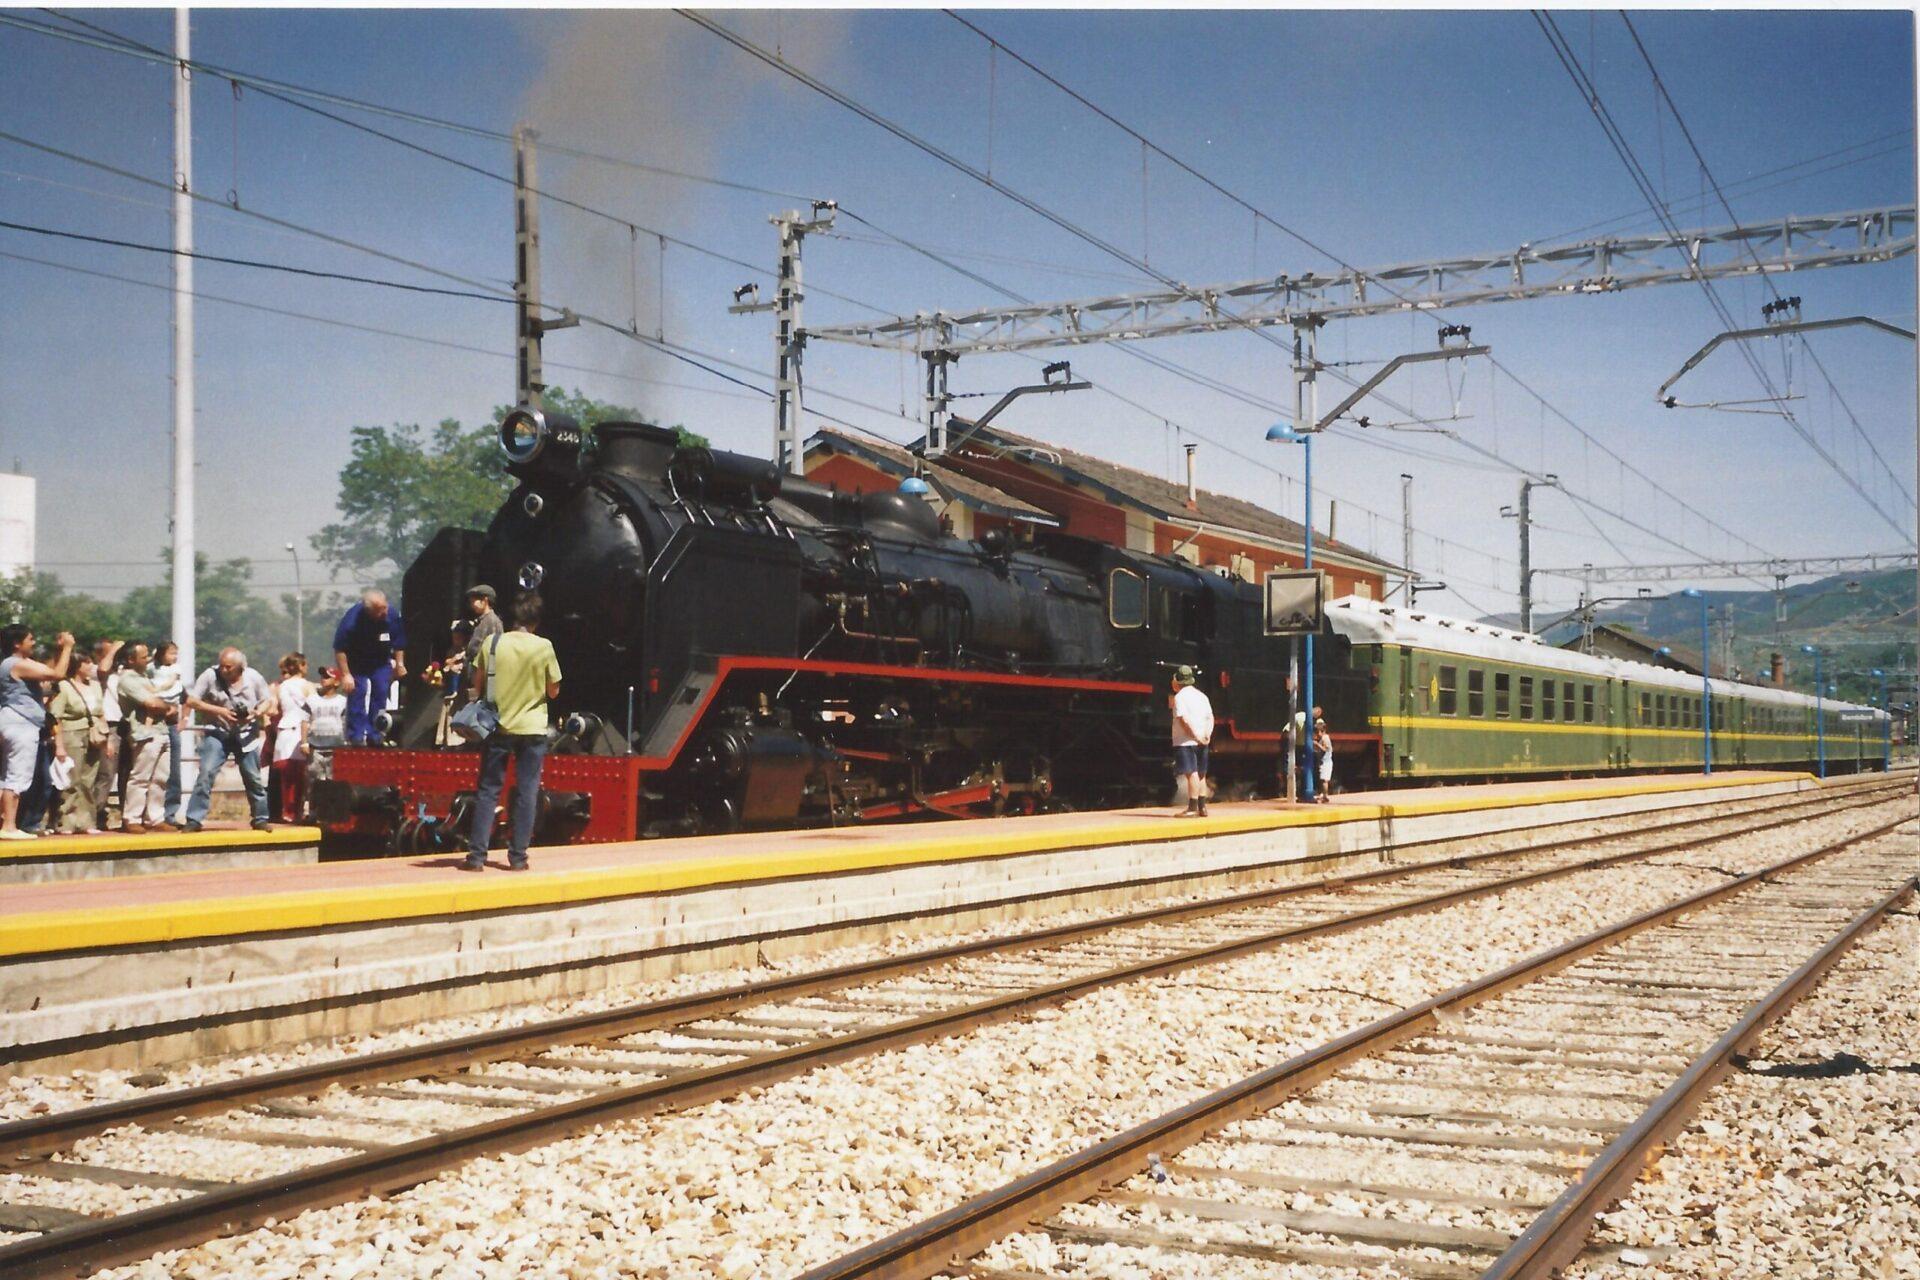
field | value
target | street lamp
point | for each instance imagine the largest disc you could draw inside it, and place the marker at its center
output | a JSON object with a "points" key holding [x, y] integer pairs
{"points": [[1281, 433], [1706, 684], [1819, 708], [1886, 729], [299, 605]]}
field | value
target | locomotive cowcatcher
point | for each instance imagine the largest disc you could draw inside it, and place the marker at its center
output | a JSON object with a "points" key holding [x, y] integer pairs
{"points": [[743, 648]]}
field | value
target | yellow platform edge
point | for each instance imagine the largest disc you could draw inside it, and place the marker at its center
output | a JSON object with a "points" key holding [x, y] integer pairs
{"points": [[116, 844], [49, 932]]}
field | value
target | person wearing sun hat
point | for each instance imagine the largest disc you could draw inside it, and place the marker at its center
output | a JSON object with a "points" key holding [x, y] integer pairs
{"points": [[1192, 730]]}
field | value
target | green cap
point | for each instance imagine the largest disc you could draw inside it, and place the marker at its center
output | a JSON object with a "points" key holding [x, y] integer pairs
{"points": [[1183, 675]]}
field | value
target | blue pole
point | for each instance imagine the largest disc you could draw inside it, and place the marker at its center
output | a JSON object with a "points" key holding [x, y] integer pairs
{"points": [[1706, 692], [1312, 763]]}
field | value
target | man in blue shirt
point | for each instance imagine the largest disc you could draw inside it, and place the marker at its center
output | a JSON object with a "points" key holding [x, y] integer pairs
{"points": [[369, 648]]}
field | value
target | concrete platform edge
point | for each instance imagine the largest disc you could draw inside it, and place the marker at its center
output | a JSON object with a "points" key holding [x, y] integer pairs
{"points": [[162, 1001]]}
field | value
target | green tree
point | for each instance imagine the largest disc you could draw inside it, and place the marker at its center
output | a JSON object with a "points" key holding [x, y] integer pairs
{"points": [[402, 484], [225, 610], [38, 600]]}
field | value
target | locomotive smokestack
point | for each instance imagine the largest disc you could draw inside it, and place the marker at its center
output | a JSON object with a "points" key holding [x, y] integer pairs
{"points": [[1193, 494]]}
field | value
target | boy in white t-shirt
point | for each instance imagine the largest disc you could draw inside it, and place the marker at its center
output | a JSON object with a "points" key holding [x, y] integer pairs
{"points": [[1192, 731]]}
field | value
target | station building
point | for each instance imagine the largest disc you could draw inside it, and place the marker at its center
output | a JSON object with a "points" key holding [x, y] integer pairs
{"points": [[997, 479]]}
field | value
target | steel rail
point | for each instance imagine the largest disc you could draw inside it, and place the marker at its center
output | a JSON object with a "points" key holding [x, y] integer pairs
{"points": [[929, 1247], [1560, 1233], [385, 1170], [40, 1134]]}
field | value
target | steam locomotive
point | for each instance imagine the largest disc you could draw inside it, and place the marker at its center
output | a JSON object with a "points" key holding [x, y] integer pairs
{"points": [[743, 648]]}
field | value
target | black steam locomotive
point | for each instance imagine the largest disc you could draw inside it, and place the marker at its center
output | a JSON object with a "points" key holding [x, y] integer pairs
{"points": [[743, 648]]}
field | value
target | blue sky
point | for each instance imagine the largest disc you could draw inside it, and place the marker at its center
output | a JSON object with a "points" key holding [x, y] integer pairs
{"points": [[1385, 137]]}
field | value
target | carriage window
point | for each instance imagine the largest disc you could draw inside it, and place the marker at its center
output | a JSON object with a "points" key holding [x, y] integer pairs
{"points": [[1502, 695], [1449, 691], [1126, 599], [1586, 704], [1476, 693], [1646, 708], [1526, 697], [1566, 702], [1547, 700]]}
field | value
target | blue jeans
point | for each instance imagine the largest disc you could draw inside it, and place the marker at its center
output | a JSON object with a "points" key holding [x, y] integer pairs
{"points": [[173, 771], [38, 798], [529, 754], [214, 749], [368, 699]]}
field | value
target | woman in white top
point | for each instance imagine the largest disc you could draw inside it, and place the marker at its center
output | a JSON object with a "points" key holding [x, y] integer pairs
{"points": [[287, 775]]}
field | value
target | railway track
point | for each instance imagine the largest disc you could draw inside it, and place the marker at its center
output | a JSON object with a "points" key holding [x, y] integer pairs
{"points": [[517, 1088], [1477, 1134]]}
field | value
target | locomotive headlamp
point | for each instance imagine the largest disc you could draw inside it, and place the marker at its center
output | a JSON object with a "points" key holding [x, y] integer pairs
{"points": [[538, 443], [532, 574]]}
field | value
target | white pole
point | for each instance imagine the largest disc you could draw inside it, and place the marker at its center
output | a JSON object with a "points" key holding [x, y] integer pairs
{"points": [[183, 551]]}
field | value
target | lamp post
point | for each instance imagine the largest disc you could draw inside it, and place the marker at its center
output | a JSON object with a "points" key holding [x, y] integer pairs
{"points": [[299, 604], [1819, 708], [1886, 729], [1706, 684], [1281, 433]]}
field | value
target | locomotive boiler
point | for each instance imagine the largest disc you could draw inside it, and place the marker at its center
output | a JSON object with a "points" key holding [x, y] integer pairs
{"points": [[743, 648]]}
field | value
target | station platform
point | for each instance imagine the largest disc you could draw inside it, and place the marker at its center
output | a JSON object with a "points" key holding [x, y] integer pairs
{"points": [[114, 853], [165, 966]]}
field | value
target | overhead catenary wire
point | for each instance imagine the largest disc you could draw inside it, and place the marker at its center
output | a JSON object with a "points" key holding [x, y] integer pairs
{"points": [[256, 263], [785, 68], [1260, 215], [125, 46], [632, 225], [1706, 172], [358, 327], [1616, 138], [283, 223], [621, 328], [113, 42]]}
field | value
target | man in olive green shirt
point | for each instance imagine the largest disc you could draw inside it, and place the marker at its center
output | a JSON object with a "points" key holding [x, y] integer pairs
{"points": [[519, 673], [143, 807]]}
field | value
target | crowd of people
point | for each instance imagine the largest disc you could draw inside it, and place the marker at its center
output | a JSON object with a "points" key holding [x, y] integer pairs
{"points": [[86, 730]]}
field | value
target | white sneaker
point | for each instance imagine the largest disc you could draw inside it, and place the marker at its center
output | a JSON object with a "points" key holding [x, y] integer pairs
{"points": [[14, 833]]}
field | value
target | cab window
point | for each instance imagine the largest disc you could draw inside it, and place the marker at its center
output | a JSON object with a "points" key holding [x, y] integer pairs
{"points": [[1126, 599]]}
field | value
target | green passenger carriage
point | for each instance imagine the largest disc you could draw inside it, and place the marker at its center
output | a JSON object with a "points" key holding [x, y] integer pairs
{"points": [[1414, 696]]}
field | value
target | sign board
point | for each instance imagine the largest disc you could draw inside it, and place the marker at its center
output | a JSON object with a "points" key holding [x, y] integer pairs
{"points": [[1295, 601], [1860, 715]]}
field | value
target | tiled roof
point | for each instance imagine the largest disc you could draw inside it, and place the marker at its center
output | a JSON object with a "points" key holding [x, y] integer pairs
{"points": [[1165, 498], [1676, 655], [895, 460]]}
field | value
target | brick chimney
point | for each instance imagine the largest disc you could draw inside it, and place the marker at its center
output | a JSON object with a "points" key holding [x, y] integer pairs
{"points": [[1776, 670]]}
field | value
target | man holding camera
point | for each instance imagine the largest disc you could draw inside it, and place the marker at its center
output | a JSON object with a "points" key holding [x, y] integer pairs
{"points": [[233, 701]]}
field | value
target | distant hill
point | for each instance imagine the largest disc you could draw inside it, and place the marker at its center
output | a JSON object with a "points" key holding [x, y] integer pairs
{"points": [[1860, 622]]}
